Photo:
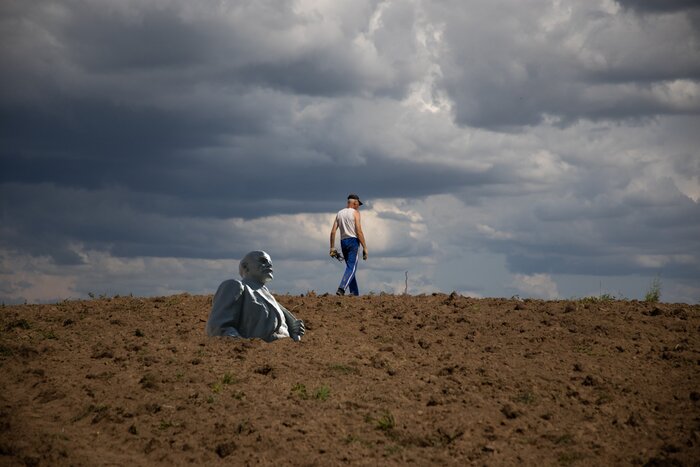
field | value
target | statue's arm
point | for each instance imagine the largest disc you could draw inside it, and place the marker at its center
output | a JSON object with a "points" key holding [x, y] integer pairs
{"points": [[226, 310], [295, 326]]}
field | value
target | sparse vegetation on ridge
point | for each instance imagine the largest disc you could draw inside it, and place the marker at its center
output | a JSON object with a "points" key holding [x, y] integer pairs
{"points": [[653, 294]]}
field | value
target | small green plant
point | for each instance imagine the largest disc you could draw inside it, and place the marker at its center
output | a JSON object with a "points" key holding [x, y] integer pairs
{"points": [[210, 400], [322, 393], [653, 294], [164, 425], [148, 381], [228, 379], [48, 335], [569, 458], [343, 369], [386, 422], [216, 388], [525, 397], [602, 298], [566, 438], [20, 323], [299, 390]]}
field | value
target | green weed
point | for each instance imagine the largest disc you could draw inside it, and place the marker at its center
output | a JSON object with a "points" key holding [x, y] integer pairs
{"points": [[653, 294], [299, 390], [228, 379], [20, 323], [525, 397], [164, 425], [343, 369], [386, 422], [49, 335], [322, 393], [569, 458]]}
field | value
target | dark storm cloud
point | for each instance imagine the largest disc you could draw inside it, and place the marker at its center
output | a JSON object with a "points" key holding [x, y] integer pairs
{"points": [[509, 67], [176, 215], [140, 93], [604, 235], [660, 6]]}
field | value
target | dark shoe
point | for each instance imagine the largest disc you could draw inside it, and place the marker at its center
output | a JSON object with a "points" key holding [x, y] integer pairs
{"points": [[340, 291]]}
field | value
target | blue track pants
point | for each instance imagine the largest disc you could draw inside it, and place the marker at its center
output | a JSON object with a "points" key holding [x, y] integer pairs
{"points": [[349, 246]]}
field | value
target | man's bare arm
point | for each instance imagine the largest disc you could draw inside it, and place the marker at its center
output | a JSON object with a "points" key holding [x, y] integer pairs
{"points": [[333, 229], [360, 234]]}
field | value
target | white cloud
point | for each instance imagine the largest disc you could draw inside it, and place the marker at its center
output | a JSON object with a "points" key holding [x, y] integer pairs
{"points": [[537, 285], [492, 233]]}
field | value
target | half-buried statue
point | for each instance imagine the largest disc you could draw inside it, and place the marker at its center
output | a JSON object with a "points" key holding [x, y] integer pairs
{"points": [[247, 309]]}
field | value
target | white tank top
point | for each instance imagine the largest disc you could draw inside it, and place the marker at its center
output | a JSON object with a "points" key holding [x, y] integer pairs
{"points": [[346, 223]]}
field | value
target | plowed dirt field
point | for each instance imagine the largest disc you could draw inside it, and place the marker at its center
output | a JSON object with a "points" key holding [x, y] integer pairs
{"points": [[383, 379]]}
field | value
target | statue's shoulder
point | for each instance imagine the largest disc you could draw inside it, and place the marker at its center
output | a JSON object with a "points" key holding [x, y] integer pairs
{"points": [[231, 289]]}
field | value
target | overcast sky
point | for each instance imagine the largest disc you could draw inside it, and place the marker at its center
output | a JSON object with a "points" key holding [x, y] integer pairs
{"points": [[545, 149]]}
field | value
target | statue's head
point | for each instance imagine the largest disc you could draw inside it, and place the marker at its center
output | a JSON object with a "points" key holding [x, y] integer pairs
{"points": [[256, 265]]}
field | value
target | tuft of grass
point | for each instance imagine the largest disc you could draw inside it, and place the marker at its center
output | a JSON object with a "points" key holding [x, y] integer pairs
{"points": [[343, 369], [322, 393], [164, 425], [653, 294], [386, 422], [566, 439], [569, 458], [602, 298], [525, 397], [20, 323], [49, 335], [228, 379], [299, 390], [148, 381], [216, 387]]}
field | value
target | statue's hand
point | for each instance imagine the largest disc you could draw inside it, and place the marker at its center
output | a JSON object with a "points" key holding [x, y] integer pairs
{"points": [[297, 329]]}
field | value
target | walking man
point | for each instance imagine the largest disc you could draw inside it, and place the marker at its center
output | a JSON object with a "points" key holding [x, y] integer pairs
{"points": [[351, 237]]}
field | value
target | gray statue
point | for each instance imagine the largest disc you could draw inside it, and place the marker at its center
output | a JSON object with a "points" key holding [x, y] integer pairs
{"points": [[246, 308]]}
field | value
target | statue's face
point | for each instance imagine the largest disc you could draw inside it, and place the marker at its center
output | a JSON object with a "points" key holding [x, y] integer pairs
{"points": [[260, 268]]}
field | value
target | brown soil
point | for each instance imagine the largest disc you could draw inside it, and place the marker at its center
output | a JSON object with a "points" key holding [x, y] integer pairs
{"points": [[383, 379]]}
